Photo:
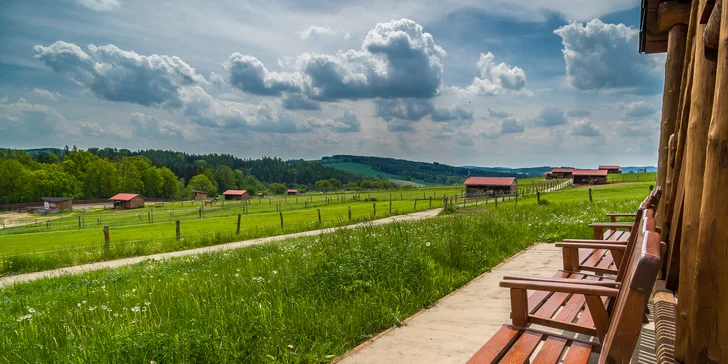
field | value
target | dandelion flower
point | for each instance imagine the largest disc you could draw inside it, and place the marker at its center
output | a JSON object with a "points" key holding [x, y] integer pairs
{"points": [[31, 310], [147, 303], [427, 243], [275, 272], [135, 309]]}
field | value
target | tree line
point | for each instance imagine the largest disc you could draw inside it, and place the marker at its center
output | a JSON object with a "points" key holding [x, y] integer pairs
{"points": [[101, 173]]}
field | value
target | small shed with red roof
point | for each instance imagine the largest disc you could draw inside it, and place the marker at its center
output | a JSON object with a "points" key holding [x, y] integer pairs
{"points": [[236, 195], [482, 186], [590, 176], [561, 172], [293, 192], [612, 169], [123, 201]]}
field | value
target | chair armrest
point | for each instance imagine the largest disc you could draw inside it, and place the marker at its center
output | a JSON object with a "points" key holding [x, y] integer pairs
{"points": [[560, 287], [592, 246], [594, 241], [622, 215], [564, 280], [612, 225]]}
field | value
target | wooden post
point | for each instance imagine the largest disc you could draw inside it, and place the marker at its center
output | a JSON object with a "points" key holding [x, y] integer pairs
{"points": [[701, 108], [496, 201], [538, 197], [415, 208], [590, 196], [708, 318], [390, 206], [319, 215], [237, 230], [79, 221], [177, 228], [676, 43], [349, 213], [107, 239], [430, 201], [281, 214], [375, 209]]}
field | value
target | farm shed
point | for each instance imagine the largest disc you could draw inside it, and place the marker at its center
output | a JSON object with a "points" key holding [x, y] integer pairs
{"points": [[58, 203], [561, 172], [590, 176], [293, 192], [124, 201], [549, 175], [236, 195], [200, 195], [481, 186], [612, 169]]}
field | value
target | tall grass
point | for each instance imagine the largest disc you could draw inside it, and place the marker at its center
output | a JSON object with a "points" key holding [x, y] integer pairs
{"points": [[295, 301]]}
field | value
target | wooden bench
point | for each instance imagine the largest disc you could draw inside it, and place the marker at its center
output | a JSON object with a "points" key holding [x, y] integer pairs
{"points": [[602, 260], [618, 332]]}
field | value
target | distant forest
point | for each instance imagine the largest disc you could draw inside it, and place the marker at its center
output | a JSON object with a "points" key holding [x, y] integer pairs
{"points": [[408, 170], [100, 173]]}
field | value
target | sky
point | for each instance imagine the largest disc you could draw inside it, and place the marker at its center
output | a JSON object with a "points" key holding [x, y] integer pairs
{"points": [[512, 83]]}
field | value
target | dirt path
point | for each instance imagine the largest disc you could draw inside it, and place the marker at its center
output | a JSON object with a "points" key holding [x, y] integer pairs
{"points": [[5, 281]]}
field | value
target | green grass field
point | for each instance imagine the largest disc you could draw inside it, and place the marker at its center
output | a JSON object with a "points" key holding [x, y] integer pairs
{"points": [[295, 301]]}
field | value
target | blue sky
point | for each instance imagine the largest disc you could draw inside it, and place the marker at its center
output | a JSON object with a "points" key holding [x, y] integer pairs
{"points": [[502, 82]]}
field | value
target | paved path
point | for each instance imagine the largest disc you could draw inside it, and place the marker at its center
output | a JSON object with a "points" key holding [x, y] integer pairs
{"points": [[5, 281], [457, 326]]}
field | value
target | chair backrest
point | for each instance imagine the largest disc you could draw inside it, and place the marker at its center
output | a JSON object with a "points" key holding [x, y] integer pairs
{"points": [[626, 321], [634, 233]]}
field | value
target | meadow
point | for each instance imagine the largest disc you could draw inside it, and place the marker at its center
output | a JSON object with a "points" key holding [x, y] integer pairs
{"points": [[294, 301]]}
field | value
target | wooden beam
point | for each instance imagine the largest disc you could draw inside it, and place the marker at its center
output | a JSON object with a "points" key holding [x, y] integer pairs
{"points": [[708, 318], [712, 29], [670, 98], [707, 9], [671, 13], [701, 108]]}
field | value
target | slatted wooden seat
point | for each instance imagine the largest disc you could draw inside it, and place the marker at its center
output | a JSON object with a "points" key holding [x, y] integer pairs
{"points": [[594, 255], [618, 332]]}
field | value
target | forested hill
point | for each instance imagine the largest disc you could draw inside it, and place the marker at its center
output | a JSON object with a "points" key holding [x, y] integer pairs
{"points": [[267, 170], [417, 171]]}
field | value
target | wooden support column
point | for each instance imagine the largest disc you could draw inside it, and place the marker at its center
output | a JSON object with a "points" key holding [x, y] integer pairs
{"points": [[701, 108], [676, 40], [708, 318]]}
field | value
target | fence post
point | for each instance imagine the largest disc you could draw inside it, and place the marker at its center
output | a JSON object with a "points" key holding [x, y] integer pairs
{"points": [[79, 221], [415, 204], [177, 229], [390, 206], [516, 198], [430, 201], [237, 231], [319, 215], [496, 201], [281, 214], [349, 213], [590, 196], [107, 239], [374, 205], [651, 188], [538, 197]]}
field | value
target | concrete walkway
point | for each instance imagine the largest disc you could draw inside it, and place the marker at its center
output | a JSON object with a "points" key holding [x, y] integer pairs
{"points": [[5, 281], [457, 326]]}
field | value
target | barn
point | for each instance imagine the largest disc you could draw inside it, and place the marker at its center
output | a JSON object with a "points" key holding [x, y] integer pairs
{"points": [[549, 175], [123, 201], [561, 172], [590, 176], [612, 169], [236, 195], [58, 203], [293, 192], [200, 195], [483, 186]]}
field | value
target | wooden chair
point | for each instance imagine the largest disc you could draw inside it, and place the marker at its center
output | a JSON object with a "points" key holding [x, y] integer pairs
{"points": [[618, 333], [600, 255]]}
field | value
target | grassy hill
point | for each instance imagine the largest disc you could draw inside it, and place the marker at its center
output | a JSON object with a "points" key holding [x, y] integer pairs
{"points": [[369, 172]]}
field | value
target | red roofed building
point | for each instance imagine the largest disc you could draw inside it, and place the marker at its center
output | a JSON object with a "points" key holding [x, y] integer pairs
{"points": [[293, 192], [590, 176], [612, 169], [561, 172], [549, 175], [481, 186], [124, 201], [236, 195]]}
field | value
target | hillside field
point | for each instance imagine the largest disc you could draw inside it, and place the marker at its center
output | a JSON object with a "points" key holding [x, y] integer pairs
{"points": [[296, 301]]}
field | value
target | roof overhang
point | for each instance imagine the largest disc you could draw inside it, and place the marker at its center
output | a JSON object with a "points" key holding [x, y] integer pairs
{"points": [[656, 19]]}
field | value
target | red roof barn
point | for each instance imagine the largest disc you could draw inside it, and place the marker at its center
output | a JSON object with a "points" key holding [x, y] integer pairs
{"points": [[293, 192], [612, 169], [561, 172], [236, 195], [590, 176], [127, 201], [479, 186]]}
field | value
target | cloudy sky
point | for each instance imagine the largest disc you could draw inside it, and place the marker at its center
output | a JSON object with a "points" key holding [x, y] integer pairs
{"points": [[488, 82]]}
